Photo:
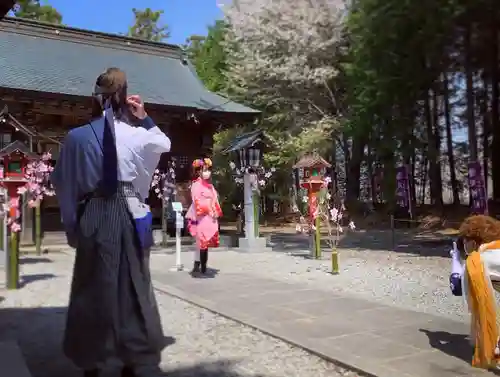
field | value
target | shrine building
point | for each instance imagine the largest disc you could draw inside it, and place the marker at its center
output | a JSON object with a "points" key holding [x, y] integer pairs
{"points": [[47, 75]]}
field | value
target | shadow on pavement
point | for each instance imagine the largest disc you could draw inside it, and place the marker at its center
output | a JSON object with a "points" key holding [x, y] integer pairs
{"points": [[39, 333], [455, 345], [34, 260], [402, 241], [406, 241], [218, 368], [209, 274], [27, 279]]}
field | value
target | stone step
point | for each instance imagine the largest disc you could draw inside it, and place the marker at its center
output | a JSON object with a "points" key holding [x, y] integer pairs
{"points": [[12, 361]]}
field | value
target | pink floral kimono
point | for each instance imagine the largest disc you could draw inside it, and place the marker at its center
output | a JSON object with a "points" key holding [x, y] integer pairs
{"points": [[203, 214]]}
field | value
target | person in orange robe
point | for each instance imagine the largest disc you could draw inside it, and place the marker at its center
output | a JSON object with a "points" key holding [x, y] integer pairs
{"points": [[479, 248], [203, 214]]}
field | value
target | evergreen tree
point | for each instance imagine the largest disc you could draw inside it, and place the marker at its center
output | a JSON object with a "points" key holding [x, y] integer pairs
{"points": [[147, 25], [32, 9]]}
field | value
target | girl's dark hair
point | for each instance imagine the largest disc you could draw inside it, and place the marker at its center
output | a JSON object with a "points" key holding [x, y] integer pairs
{"points": [[113, 87]]}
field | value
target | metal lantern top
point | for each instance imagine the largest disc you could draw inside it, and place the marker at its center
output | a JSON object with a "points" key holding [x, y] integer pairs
{"points": [[248, 149], [312, 166]]}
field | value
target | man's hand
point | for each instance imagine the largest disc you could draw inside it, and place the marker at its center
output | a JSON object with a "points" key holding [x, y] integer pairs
{"points": [[137, 106]]}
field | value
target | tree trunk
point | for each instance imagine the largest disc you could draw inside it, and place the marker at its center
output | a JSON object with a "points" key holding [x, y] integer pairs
{"points": [[424, 178], [353, 170], [449, 141], [495, 121], [437, 176], [433, 154], [413, 183], [483, 105], [370, 163], [389, 172], [469, 85]]}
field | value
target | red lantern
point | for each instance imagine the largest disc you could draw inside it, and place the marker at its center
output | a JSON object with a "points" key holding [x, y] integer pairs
{"points": [[15, 158], [313, 179]]}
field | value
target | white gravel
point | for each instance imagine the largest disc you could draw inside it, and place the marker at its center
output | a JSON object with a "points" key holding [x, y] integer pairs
{"points": [[204, 344]]}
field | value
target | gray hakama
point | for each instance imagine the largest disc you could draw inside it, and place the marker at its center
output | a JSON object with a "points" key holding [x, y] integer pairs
{"points": [[112, 310]]}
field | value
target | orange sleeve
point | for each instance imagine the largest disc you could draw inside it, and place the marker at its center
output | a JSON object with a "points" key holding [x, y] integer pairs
{"points": [[200, 209], [218, 210]]}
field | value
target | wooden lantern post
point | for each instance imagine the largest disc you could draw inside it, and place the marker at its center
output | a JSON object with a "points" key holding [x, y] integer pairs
{"points": [[15, 158], [313, 181]]}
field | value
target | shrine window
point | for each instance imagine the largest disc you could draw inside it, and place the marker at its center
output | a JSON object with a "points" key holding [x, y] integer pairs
{"points": [[15, 167], [5, 139], [182, 168]]}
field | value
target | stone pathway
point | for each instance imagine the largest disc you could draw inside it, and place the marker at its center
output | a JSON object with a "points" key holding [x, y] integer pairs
{"points": [[381, 340]]}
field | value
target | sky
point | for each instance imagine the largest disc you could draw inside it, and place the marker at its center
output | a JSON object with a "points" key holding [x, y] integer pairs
{"points": [[184, 17]]}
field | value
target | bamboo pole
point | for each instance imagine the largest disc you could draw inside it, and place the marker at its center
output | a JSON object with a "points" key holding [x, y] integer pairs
{"points": [[317, 238], [255, 200], [13, 271], [38, 229], [335, 255]]}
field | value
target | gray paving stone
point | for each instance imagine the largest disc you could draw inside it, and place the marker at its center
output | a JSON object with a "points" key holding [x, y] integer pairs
{"points": [[370, 347], [368, 335], [313, 328], [290, 298], [432, 363], [268, 313], [171, 278], [258, 288], [334, 306], [12, 361], [382, 317]]}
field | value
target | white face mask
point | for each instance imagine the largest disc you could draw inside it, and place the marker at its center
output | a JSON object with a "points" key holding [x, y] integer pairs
{"points": [[206, 174]]}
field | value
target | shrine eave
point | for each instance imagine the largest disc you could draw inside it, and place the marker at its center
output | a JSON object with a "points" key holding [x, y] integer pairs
{"points": [[17, 146], [310, 161], [41, 57], [245, 141]]}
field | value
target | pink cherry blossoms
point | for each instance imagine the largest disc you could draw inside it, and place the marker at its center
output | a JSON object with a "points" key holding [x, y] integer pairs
{"points": [[332, 213], [163, 183], [260, 177], [37, 175]]}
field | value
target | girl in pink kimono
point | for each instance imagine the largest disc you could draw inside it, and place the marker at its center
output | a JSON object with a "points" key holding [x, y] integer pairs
{"points": [[203, 213]]}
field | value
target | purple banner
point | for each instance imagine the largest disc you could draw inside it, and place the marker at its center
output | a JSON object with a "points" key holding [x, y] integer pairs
{"points": [[377, 179], [403, 187], [477, 189]]}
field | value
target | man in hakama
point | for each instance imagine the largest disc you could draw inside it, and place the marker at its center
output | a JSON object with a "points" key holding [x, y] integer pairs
{"points": [[101, 180]]}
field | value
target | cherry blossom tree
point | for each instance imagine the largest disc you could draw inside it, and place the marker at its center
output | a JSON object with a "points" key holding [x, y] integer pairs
{"points": [[331, 214], [163, 182], [37, 187], [285, 60], [163, 186], [37, 175]]}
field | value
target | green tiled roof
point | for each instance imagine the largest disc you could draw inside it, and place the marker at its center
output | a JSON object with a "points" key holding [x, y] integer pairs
{"points": [[55, 59]]}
